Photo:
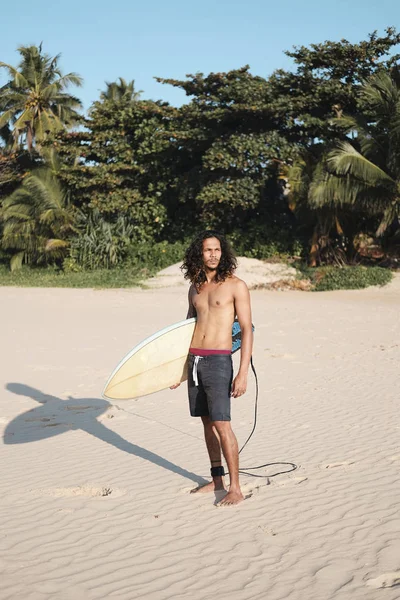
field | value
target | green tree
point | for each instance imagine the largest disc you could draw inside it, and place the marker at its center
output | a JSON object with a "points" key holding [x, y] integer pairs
{"points": [[34, 103], [37, 220], [365, 174], [326, 84], [224, 154], [311, 102], [120, 91], [113, 166]]}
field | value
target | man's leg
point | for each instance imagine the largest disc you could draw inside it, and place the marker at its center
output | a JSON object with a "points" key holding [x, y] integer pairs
{"points": [[214, 452], [231, 453]]}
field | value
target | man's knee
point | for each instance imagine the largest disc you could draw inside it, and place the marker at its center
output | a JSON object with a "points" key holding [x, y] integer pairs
{"points": [[222, 427], [206, 421]]}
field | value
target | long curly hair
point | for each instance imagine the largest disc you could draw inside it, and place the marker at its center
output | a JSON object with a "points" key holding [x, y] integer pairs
{"points": [[193, 265]]}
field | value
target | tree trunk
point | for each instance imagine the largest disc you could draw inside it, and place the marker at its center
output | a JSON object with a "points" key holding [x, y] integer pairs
{"points": [[314, 251]]}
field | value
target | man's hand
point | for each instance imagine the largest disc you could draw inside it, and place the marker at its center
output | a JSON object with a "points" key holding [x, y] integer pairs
{"points": [[239, 385], [173, 387]]}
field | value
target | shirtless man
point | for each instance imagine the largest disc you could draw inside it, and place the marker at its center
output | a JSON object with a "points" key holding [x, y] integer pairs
{"points": [[215, 297]]}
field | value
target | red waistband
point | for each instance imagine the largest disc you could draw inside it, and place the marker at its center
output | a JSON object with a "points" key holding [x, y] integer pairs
{"points": [[205, 352]]}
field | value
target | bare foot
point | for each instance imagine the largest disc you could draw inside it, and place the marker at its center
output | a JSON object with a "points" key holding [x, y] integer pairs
{"points": [[213, 486], [231, 499]]}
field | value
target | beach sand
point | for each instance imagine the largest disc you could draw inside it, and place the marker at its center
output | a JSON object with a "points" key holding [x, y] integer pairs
{"points": [[94, 497]]}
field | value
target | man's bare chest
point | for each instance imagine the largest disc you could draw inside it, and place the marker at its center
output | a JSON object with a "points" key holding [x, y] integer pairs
{"points": [[215, 298]]}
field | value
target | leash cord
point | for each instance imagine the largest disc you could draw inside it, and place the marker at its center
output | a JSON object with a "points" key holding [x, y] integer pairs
{"points": [[245, 470]]}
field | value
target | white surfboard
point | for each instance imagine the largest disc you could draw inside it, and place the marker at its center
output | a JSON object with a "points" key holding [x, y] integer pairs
{"points": [[153, 365]]}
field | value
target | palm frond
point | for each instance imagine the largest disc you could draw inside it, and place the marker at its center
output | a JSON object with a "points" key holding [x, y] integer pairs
{"points": [[6, 117], [335, 191], [70, 79], [346, 160], [381, 94], [389, 215], [19, 80], [396, 123], [45, 124], [26, 117], [54, 245]]}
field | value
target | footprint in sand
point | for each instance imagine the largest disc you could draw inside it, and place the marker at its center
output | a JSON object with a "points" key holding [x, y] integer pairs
{"points": [[385, 580], [334, 465], [112, 413], [267, 530], [291, 480]]}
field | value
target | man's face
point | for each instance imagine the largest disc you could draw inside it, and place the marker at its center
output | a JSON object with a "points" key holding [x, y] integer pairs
{"points": [[211, 253]]}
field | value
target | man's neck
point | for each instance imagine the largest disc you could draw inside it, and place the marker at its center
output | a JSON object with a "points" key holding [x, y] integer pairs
{"points": [[211, 275]]}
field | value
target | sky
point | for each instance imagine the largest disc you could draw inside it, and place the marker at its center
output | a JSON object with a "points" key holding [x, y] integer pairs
{"points": [[102, 40]]}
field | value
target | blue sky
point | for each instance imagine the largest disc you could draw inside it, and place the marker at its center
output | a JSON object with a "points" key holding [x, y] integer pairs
{"points": [[103, 40]]}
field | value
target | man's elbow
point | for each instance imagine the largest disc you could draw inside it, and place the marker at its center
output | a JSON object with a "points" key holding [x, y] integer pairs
{"points": [[247, 329]]}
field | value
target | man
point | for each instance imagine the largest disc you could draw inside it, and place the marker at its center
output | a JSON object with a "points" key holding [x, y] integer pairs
{"points": [[216, 296]]}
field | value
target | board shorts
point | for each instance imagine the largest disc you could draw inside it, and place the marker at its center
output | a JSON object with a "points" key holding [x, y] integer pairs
{"points": [[209, 383]]}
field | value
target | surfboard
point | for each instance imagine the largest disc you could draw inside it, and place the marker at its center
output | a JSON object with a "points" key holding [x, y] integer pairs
{"points": [[153, 365], [158, 362]]}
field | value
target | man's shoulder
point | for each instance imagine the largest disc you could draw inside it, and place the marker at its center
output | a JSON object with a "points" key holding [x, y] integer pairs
{"points": [[236, 282]]}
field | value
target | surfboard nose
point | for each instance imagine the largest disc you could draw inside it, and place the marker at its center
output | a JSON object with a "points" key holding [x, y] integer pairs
{"points": [[155, 364]]}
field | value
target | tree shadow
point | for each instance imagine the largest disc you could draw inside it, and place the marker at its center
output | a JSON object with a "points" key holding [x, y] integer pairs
{"points": [[54, 416]]}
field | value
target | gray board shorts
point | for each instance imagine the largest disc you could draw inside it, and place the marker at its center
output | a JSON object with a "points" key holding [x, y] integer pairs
{"points": [[211, 396]]}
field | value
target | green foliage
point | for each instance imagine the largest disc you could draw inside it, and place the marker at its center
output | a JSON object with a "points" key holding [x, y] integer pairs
{"points": [[366, 174], [224, 147], [155, 257], [121, 91], [346, 278], [326, 83], [37, 220], [302, 161], [345, 189], [267, 242], [103, 244], [51, 277], [13, 167], [110, 166], [100, 244]]}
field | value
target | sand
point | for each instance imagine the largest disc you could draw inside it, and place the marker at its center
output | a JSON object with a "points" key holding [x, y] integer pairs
{"points": [[255, 272], [95, 499]]}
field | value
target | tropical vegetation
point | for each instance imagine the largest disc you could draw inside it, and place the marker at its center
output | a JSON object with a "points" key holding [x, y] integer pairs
{"points": [[303, 164]]}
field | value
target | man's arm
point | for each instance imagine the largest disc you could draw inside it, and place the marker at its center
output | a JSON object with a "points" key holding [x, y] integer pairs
{"points": [[191, 310], [243, 312]]}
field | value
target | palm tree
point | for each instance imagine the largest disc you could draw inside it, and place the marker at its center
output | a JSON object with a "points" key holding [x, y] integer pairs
{"points": [[37, 220], [120, 91], [322, 223], [34, 103], [365, 174]]}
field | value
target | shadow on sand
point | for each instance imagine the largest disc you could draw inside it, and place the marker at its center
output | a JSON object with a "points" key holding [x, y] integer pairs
{"points": [[54, 416]]}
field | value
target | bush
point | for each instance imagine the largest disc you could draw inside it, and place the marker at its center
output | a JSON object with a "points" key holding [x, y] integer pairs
{"points": [[346, 278], [155, 256], [100, 244], [264, 242]]}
